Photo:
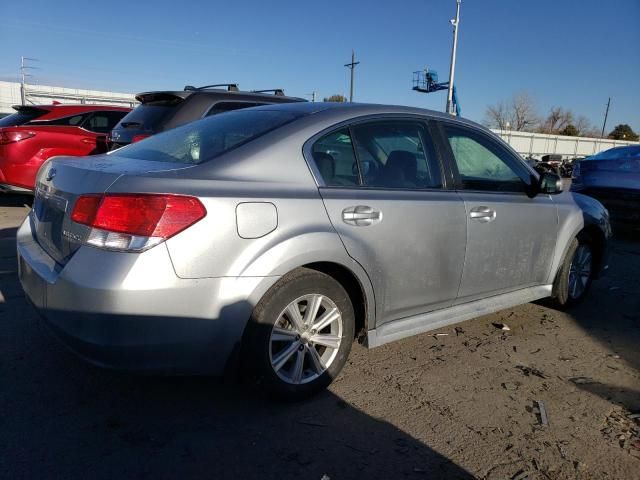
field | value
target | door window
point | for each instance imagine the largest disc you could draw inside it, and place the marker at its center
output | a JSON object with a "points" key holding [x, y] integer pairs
{"points": [[483, 164], [396, 154]]}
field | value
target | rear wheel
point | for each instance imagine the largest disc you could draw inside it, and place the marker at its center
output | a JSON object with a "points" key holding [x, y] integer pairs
{"points": [[576, 272], [300, 334]]}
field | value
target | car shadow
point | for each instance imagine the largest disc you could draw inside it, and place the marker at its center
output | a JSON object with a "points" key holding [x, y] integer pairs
{"points": [[610, 314], [15, 200], [63, 418]]}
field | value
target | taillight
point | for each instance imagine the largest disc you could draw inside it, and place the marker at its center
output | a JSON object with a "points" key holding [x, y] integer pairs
{"points": [[14, 136], [137, 138], [135, 222]]}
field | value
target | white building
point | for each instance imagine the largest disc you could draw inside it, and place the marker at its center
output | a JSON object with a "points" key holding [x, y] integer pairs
{"points": [[44, 94]]}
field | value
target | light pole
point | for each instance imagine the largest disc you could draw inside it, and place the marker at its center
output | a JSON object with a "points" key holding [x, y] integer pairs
{"points": [[455, 22]]}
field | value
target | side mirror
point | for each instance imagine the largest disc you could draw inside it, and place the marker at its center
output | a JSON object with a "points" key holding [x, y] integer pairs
{"points": [[550, 183]]}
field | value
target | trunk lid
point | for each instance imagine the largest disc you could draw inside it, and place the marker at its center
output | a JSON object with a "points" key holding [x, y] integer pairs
{"points": [[60, 182]]}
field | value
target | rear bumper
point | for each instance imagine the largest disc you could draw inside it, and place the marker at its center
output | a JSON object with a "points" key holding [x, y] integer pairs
{"points": [[131, 312]]}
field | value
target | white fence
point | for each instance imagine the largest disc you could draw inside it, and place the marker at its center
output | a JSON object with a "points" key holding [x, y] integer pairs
{"points": [[44, 94], [538, 144]]}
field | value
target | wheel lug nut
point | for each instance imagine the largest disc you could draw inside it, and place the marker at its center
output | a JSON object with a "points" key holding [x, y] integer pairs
{"points": [[301, 347]]}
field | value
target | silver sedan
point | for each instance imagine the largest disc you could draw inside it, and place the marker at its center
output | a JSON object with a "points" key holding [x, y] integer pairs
{"points": [[272, 237]]}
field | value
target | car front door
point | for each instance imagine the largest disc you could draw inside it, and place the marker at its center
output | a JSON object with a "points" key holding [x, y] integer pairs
{"points": [[382, 186], [510, 236]]}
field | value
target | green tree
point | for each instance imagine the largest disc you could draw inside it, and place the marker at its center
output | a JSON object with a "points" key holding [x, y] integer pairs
{"points": [[336, 98], [570, 131], [623, 132]]}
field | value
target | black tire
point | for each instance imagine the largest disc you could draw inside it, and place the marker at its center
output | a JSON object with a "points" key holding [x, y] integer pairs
{"points": [[562, 295], [257, 348]]}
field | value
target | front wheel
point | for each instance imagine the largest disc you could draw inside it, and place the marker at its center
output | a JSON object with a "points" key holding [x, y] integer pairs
{"points": [[300, 334], [575, 274]]}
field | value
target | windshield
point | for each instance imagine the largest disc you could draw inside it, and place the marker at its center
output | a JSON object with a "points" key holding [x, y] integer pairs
{"points": [[21, 117], [201, 141], [617, 153]]}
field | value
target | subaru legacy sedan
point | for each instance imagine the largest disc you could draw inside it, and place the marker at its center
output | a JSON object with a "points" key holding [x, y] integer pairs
{"points": [[270, 238]]}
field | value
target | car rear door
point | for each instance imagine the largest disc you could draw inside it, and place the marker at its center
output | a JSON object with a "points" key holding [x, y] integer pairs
{"points": [[510, 237], [382, 186]]}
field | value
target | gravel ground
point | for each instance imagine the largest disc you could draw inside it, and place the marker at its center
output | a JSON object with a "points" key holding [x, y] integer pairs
{"points": [[461, 405]]}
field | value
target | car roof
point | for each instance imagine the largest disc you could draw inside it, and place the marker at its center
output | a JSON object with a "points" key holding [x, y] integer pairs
{"points": [[63, 110], [219, 93], [349, 110]]}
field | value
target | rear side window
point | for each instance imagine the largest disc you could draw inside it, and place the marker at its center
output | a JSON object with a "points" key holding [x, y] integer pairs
{"points": [[201, 141], [334, 157], [397, 154], [222, 107], [71, 121], [102, 122], [383, 154], [22, 116]]}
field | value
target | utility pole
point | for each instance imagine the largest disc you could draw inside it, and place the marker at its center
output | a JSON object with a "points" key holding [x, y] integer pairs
{"points": [[352, 66], [455, 22], [23, 75], [606, 114], [312, 95]]}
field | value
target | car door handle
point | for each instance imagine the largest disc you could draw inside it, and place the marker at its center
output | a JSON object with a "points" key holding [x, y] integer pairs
{"points": [[361, 215], [483, 214]]}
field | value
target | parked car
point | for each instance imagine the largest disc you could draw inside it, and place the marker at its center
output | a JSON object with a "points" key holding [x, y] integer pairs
{"points": [[613, 177], [271, 237], [161, 111], [36, 133]]}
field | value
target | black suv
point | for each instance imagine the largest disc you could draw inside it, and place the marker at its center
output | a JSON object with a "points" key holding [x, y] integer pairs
{"points": [[161, 111]]}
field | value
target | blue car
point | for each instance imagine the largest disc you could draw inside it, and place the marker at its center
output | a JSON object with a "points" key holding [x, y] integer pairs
{"points": [[613, 178]]}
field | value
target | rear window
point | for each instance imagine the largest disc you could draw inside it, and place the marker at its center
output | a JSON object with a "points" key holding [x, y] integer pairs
{"points": [[149, 116], [617, 153], [21, 117], [201, 141]]}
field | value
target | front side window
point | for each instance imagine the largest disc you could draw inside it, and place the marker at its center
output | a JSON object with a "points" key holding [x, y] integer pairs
{"points": [[396, 154], [482, 164], [201, 141]]}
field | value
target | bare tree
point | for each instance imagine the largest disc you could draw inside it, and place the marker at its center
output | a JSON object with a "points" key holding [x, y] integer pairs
{"points": [[336, 98], [497, 116], [523, 112], [557, 120], [516, 114]]}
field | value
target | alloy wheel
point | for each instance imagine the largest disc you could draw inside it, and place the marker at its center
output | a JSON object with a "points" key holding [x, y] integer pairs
{"points": [[580, 271], [305, 338]]}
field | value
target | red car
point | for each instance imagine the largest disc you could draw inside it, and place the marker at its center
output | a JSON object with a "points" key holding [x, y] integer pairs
{"points": [[36, 133]]}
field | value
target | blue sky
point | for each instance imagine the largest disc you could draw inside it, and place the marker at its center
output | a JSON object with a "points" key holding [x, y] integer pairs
{"points": [[573, 54]]}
